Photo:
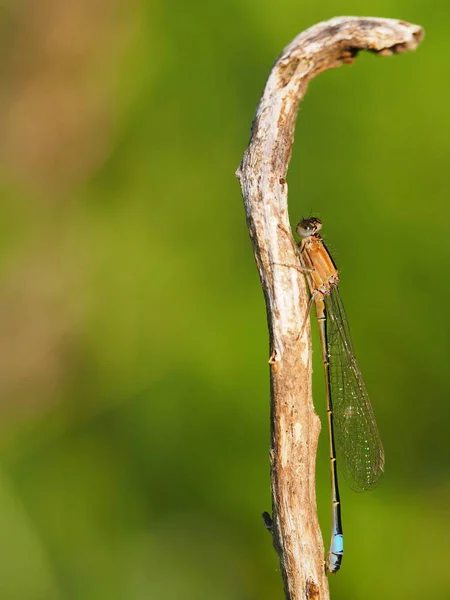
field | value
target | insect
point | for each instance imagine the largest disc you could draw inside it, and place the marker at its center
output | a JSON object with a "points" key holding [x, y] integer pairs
{"points": [[352, 428]]}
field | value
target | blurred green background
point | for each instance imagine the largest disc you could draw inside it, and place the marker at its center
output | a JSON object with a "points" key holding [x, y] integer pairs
{"points": [[134, 426]]}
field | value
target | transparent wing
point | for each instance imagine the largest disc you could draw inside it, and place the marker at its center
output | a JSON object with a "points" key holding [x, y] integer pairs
{"points": [[357, 439]]}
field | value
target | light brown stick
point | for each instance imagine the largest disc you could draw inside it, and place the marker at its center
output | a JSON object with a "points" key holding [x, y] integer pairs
{"points": [[294, 424]]}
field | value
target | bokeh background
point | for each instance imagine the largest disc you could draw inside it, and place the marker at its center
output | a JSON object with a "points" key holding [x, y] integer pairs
{"points": [[134, 425]]}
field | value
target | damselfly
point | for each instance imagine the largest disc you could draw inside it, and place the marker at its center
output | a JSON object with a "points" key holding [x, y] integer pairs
{"points": [[351, 422]]}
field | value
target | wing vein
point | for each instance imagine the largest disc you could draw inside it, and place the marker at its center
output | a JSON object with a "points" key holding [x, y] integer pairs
{"points": [[357, 439]]}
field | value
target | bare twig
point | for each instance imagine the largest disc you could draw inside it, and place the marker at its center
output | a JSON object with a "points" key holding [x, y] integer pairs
{"points": [[294, 424]]}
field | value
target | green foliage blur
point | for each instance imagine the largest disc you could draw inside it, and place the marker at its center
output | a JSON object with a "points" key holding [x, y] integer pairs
{"points": [[134, 427]]}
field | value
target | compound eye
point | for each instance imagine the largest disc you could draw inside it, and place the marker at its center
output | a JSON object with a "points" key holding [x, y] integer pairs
{"points": [[317, 225], [303, 229]]}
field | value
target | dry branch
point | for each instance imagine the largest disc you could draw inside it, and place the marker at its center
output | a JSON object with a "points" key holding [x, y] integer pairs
{"points": [[294, 424]]}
